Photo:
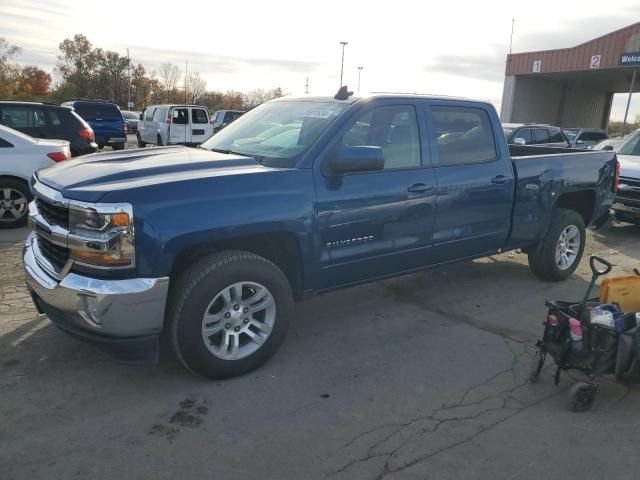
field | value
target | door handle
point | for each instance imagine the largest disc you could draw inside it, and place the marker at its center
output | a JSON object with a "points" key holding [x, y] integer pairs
{"points": [[419, 188], [500, 179]]}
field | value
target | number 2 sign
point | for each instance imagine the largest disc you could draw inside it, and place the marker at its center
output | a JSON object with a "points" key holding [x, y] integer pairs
{"points": [[595, 61]]}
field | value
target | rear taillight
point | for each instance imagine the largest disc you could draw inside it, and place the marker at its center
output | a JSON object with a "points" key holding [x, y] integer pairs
{"points": [[168, 120], [616, 178], [88, 134], [59, 156], [125, 129]]}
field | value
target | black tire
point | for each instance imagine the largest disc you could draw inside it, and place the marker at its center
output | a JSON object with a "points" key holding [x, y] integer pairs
{"points": [[628, 218], [118, 146], [159, 141], [193, 292], [542, 259], [582, 396], [18, 190], [141, 144]]}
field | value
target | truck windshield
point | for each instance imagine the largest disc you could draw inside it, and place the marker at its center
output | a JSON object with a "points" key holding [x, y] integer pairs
{"points": [[278, 133]]}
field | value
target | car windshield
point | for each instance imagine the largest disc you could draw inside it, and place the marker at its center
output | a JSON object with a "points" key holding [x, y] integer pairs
{"points": [[630, 145], [278, 133], [131, 115]]}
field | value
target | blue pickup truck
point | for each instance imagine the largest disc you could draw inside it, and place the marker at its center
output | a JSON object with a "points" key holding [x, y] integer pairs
{"points": [[211, 246]]}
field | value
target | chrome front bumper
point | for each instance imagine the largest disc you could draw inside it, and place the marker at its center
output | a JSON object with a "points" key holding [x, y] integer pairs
{"points": [[98, 308]]}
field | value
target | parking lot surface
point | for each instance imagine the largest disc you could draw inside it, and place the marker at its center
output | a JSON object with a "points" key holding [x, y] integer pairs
{"points": [[423, 376]]}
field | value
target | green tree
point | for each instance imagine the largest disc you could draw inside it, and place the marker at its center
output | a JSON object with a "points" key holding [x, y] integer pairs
{"points": [[77, 65]]}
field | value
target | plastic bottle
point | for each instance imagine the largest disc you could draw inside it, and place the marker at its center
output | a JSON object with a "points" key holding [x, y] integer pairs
{"points": [[575, 332]]}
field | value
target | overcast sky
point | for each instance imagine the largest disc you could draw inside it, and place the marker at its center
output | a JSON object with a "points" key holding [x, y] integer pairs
{"points": [[452, 48]]}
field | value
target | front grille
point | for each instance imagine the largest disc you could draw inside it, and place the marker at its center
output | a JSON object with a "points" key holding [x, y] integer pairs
{"points": [[53, 213], [630, 195], [55, 254]]}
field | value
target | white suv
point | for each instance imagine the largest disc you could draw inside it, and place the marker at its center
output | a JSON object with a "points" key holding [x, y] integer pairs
{"points": [[174, 125]]}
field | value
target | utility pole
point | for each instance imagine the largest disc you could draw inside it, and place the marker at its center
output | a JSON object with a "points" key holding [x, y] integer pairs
{"points": [[185, 81], [342, 64], [359, 73], [513, 22], [129, 70], [306, 86], [626, 111]]}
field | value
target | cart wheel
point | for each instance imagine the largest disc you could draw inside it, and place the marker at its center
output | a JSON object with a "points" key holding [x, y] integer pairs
{"points": [[536, 365], [581, 396]]}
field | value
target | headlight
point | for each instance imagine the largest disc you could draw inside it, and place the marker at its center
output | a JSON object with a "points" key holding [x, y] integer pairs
{"points": [[102, 235]]}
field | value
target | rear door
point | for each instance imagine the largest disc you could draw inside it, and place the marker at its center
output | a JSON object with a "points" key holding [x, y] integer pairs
{"points": [[475, 181], [201, 129], [179, 131]]}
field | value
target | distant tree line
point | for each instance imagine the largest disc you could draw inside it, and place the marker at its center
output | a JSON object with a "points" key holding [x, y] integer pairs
{"points": [[86, 71], [615, 128]]}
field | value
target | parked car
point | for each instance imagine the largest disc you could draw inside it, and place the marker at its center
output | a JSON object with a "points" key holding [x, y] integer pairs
{"points": [[43, 120], [20, 156], [174, 125], [535, 134], [608, 144], [212, 245], [627, 206], [585, 137], [131, 119], [105, 119], [222, 118]]}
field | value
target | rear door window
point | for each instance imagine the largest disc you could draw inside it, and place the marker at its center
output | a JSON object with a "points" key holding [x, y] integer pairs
{"points": [[540, 135], [199, 116], [464, 135], [26, 119], [179, 116], [555, 136]]}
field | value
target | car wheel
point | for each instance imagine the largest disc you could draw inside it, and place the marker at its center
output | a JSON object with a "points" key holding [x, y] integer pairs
{"points": [[14, 203], [118, 146], [558, 255], [159, 141], [228, 314], [141, 144]]}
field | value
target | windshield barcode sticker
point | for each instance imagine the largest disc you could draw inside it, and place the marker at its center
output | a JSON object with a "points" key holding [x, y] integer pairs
{"points": [[318, 113]]}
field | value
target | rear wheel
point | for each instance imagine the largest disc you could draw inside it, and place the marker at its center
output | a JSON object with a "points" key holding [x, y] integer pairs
{"points": [[141, 144], [159, 141], [581, 396], [558, 255], [118, 146], [228, 314], [14, 203]]}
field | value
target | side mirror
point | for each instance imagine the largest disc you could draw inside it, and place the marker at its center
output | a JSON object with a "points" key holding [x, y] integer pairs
{"points": [[579, 142], [608, 147], [519, 141], [357, 159]]}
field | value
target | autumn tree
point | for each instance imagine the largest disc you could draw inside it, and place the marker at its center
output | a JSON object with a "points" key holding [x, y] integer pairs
{"points": [[169, 75], [77, 65], [196, 87], [33, 81], [8, 71]]}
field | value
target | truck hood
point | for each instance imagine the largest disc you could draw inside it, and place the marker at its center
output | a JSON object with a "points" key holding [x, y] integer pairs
{"points": [[629, 166], [91, 177]]}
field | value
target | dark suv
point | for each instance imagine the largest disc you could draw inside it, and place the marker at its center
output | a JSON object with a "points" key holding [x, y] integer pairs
{"points": [[535, 134], [43, 120], [106, 120]]}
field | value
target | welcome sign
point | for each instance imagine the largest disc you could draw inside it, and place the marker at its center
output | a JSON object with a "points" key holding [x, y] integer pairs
{"points": [[632, 58]]}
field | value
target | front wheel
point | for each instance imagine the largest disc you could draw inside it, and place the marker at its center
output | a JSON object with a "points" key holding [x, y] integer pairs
{"points": [[228, 314], [559, 253], [141, 144], [118, 146]]}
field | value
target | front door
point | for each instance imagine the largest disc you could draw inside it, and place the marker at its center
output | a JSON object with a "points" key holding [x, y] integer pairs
{"points": [[377, 223], [179, 131], [475, 182]]}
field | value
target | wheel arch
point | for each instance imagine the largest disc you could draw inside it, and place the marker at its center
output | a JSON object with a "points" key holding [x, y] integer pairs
{"points": [[582, 201], [281, 248]]}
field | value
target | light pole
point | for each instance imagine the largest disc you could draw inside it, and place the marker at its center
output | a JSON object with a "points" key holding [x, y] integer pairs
{"points": [[359, 73], [342, 64]]}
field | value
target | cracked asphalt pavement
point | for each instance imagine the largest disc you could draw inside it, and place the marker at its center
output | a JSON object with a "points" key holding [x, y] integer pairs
{"points": [[418, 377]]}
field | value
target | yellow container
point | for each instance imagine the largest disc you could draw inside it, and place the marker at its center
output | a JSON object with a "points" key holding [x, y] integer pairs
{"points": [[625, 291]]}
